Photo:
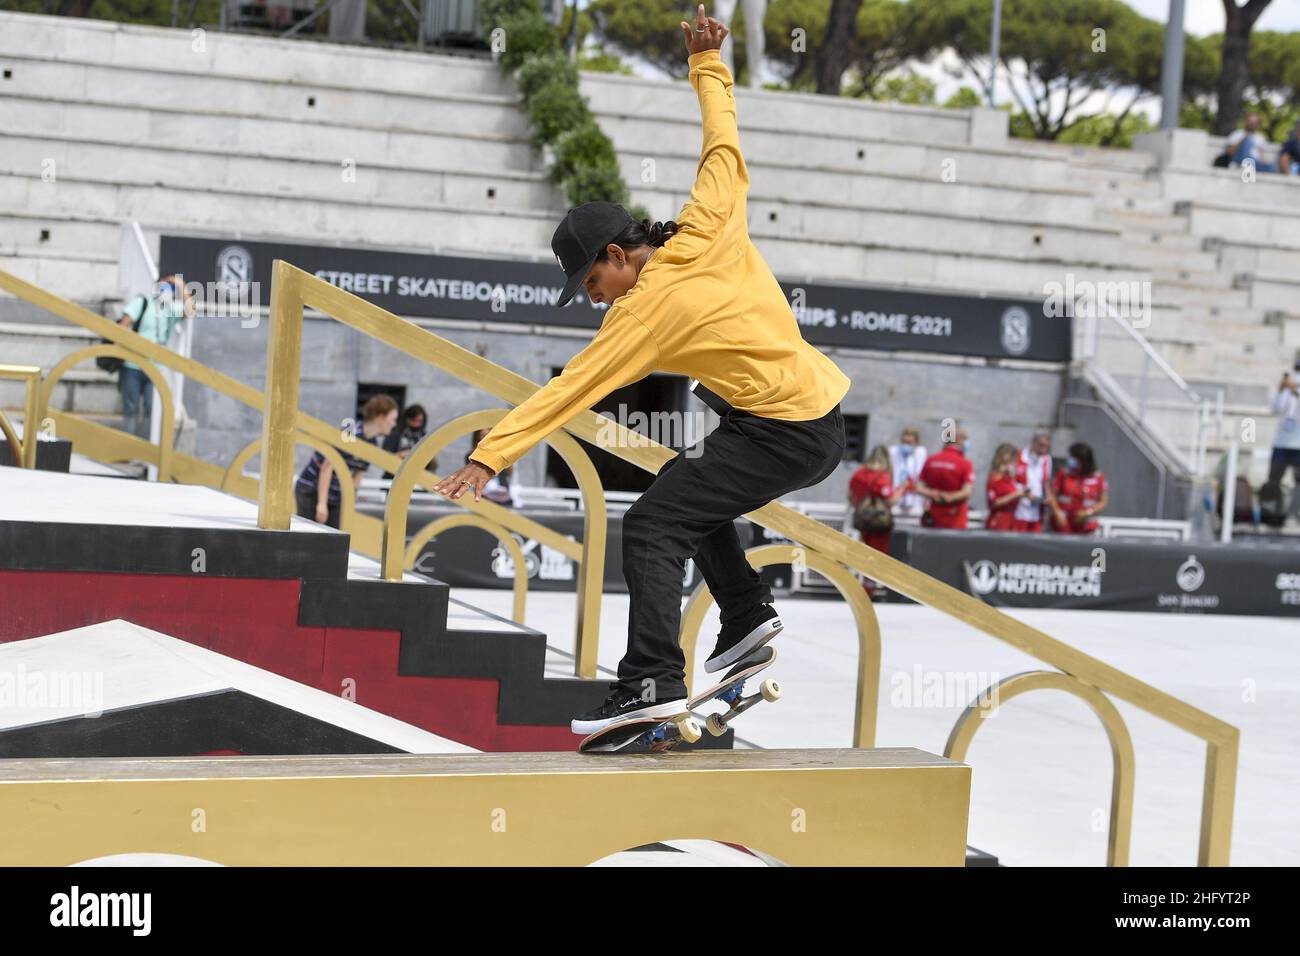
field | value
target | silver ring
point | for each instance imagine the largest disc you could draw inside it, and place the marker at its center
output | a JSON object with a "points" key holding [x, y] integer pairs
{"points": [[700, 29]]}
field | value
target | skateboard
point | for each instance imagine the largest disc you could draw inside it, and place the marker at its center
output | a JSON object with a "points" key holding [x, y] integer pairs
{"points": [[661, 734]]}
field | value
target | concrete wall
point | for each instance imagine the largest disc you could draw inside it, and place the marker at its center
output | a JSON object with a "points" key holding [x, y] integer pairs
{"points": [[1140, 486]]}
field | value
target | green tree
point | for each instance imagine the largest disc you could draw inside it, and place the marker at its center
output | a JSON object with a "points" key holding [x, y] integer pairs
{"points": [[908, 87], [585, 164], [964, 99], [603, 62], [1108, 130], [388, 21], [1055, 56], [1273, 81], [1234, 74], [837, 48], [151, 12], [962, 26], [649, 29], [795, 33]]}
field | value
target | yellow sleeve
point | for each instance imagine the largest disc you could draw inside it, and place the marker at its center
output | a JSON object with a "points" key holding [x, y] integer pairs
{"points": [[722, 175], [623, 351]]}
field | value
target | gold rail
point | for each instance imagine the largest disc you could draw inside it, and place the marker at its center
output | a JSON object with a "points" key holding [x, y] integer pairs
{"points": [[161, 455], [11, 438], [1123, 761], [24, 452]]}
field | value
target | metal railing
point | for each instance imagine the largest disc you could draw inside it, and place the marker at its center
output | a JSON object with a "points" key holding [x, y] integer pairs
{"points": [[824, 549], [24, 451], [1152, 397]]}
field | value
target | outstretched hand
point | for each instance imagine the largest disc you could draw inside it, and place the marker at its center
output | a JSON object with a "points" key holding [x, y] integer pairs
{"points": [[707, 34], [472, 475]]}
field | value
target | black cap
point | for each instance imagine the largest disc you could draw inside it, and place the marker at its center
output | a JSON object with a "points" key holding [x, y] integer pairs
{"points": [[578, 240]]}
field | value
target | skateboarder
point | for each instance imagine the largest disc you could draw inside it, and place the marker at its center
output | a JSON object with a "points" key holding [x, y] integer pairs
{"points": [[692, 297]]}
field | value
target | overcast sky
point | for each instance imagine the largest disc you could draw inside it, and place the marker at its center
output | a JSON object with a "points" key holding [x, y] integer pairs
{"points": [[1206, 16]]}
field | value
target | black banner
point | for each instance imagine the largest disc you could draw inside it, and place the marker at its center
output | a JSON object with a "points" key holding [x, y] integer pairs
{"points": [[1068, 571], [501, 290], [896, 320]]}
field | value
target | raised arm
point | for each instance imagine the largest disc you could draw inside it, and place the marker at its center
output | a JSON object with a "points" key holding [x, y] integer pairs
{"points": [[1286, 392], [722, 176]]}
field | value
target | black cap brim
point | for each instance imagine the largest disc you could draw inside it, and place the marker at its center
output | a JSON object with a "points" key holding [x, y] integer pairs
{"points": [[575, 282]]}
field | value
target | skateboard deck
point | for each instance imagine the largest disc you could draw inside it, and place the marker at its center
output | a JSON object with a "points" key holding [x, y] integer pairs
{"points": [[661, 734]]}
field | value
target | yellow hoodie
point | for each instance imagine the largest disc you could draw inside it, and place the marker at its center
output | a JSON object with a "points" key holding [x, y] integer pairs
{"points": [[704, 305]]}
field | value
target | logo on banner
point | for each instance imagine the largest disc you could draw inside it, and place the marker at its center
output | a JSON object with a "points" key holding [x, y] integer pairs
{"points": [[984, 577], [1191, 574], [1015, 330], [234, 266], [1034, 580], [540, 561], [1189, 577], [1288, 588]]}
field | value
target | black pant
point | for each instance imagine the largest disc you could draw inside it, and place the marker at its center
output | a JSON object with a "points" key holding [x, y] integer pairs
{"points": [[1284, 458], [744, 464], [306, 498]]}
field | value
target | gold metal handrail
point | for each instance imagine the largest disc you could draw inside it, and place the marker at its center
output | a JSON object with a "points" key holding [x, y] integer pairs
{"points": [[24, 452], [1123, 761], [347, 490], [466, 520], [162, 453], [11, 438]]}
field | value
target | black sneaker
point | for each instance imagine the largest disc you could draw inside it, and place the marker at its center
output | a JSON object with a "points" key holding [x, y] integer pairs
{"points": [[624, 705], [740, 639]]}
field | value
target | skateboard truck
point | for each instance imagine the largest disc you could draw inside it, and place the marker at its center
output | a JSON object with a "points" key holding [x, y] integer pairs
{"points": [[664, 736], [737, 703]]}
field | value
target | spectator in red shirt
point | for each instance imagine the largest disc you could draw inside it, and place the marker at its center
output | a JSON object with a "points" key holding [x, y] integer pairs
{"points": [[1003, 489], [872, 497], [1078, 493], [874, 483], [947, 480]]}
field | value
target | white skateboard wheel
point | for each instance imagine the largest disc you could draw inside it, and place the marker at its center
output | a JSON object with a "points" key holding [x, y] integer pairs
{"points": [[690, 730], [770, 690]]}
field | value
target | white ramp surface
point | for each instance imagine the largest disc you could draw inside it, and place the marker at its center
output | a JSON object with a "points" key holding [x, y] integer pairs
{"points": [[136, 666]]}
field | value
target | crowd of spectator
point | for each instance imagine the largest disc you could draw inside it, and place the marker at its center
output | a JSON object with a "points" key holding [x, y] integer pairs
{"points": [[1250, 147], [1026, 491], [318, 492]]}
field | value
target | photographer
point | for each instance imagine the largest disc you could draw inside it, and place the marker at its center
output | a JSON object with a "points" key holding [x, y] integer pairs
{"points": [[155, 317], [1286, 443]]}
